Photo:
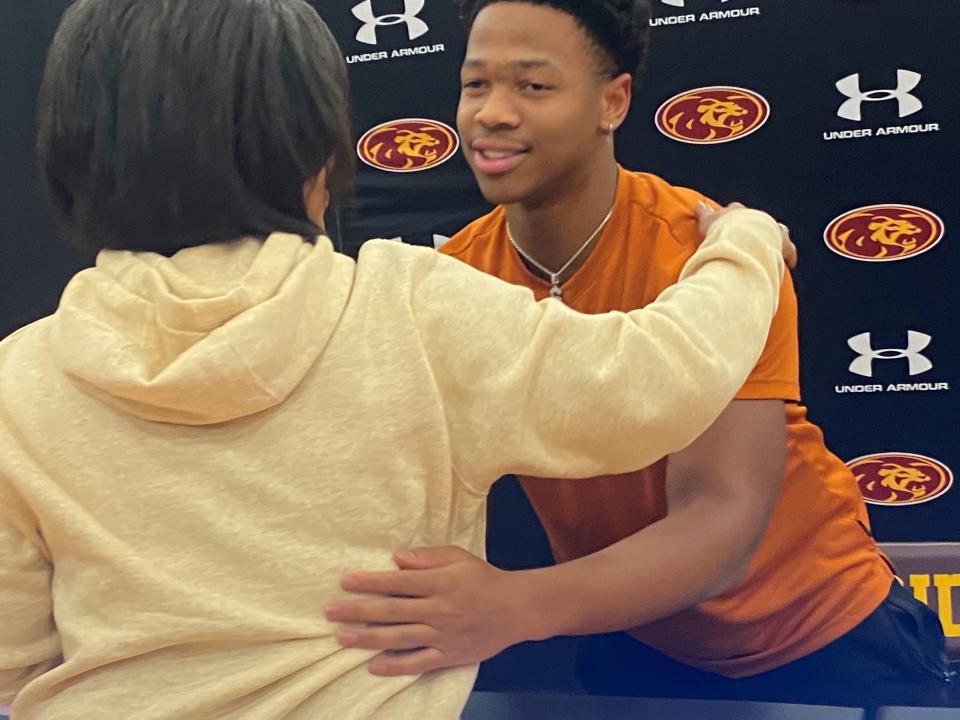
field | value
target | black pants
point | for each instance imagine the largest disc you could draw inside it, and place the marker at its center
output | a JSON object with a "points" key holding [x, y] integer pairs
{"points": [[894, 657]]}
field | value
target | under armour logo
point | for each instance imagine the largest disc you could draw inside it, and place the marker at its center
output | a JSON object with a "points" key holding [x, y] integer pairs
{"points": [[679, 3], [863, 346], [411, 9], [907, 80]]}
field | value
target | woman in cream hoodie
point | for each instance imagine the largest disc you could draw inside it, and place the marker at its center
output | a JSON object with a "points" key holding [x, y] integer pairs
{"points": [[225, 415]]}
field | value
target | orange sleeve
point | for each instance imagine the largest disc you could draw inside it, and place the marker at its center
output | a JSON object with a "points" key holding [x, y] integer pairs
{"points": [[453, 246], [462, 244], [777, 373]]}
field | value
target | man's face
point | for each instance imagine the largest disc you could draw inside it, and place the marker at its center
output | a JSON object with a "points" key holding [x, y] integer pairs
{"points": [[531, 102]]}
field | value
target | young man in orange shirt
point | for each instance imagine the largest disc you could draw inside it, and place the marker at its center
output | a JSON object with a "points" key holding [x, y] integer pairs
{"points": [[741, 567]]}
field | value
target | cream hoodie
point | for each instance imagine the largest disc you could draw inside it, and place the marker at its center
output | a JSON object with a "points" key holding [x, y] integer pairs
{"points": [[194, 449]]}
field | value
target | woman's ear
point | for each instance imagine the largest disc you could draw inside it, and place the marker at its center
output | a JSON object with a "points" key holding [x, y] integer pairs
{"points": [[316, 197]]}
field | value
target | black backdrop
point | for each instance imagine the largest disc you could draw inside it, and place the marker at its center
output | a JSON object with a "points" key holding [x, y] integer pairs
{"points": [[403, 57]]}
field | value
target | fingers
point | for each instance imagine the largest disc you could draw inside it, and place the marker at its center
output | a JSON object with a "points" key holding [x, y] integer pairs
{"points": [[379, 610], [705, 217], [409, 583], [430, 558], [391, 637], [788, 248], [415, 663]]}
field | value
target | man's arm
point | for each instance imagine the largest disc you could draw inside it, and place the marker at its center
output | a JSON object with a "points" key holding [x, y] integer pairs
{"points": [[720, 490], [720, 493]]}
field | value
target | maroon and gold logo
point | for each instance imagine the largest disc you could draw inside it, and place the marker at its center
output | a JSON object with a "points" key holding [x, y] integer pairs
{"points": [[712, 115], [409, 145], [883, 233], [900, 478]]}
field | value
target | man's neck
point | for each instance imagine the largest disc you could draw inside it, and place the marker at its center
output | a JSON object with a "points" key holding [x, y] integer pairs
{"points": [[552, 232]]}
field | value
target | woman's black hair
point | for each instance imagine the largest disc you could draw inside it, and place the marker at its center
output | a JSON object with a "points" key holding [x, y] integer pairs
{"points": [[165, 124]]}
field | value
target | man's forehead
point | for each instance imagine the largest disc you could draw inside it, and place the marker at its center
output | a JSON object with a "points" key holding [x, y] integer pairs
{"points": [[532, 29], [523, 63]]}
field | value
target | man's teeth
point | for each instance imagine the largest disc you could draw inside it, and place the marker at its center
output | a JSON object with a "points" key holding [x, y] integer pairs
{"points": [[499, 155]]}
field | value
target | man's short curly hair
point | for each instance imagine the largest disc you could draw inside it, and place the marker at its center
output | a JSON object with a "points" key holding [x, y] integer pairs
{"points": [[619, 29]]}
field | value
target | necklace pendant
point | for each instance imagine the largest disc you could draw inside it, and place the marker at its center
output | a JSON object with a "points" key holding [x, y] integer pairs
{"points": [[556, 292]]}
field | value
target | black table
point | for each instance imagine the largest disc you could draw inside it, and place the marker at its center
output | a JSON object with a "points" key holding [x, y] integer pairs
{"points": [[508, 706], [910, 713]]}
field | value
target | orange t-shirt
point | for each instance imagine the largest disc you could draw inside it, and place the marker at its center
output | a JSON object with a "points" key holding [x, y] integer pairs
{"points": [[817, 572]]}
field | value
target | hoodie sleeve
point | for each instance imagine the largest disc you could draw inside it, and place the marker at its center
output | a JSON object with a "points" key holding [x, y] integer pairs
{"points": [[539, 389], [29, 642]]}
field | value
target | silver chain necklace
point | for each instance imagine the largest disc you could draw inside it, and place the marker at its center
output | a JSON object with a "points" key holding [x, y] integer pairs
{"points": [[555, 289]]}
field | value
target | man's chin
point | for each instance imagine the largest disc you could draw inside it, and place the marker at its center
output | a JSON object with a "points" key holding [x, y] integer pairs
{"points": [[501, 191]]}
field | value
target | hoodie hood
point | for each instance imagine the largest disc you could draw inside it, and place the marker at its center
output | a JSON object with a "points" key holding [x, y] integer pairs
{"points": [[212, 334]]}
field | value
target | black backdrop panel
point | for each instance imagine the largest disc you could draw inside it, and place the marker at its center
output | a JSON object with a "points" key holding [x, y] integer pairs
{"points": [[33, 264]]}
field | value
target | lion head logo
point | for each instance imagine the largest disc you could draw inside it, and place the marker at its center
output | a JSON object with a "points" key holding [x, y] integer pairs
{"points": [[900, 478], [712, 115], [408, 145], [884, 232]]}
